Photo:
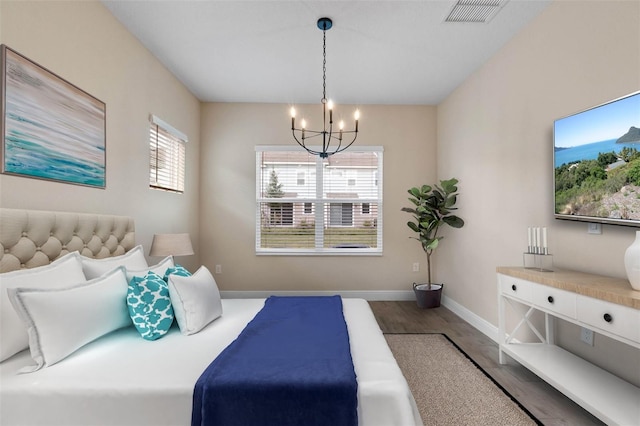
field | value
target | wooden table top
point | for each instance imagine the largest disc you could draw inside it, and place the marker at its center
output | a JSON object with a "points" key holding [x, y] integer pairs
{"points": [[614, 290]]}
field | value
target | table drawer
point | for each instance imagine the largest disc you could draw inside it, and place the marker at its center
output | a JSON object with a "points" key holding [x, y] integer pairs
{"points": [[554, 300], [615, 319], [515, 287]]}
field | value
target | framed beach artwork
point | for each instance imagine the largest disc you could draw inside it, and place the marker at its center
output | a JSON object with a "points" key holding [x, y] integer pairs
{"points": [[50, 129]]}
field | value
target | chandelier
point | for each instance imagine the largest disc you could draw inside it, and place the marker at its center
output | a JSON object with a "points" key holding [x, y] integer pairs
{"points": [[332, 142]]}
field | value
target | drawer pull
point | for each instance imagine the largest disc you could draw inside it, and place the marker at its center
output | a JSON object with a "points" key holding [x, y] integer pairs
{"points": [[550, 299], [513, 287], [607, 317]]}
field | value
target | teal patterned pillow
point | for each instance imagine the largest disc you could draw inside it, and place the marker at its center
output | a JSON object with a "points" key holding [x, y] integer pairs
{"points": [[150, 305], [176, 270]]}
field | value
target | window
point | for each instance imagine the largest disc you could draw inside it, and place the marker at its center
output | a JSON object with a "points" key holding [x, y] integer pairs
{"points": [[308, 208], [309, 205], [301, 178], [167, 156]]}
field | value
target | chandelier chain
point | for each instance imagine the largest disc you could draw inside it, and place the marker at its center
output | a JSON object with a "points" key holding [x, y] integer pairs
{"points": [[324, 66]]}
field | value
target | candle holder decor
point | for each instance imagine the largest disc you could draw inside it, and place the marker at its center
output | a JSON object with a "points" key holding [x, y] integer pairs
{"points": [[539, 262], [537, 255]]}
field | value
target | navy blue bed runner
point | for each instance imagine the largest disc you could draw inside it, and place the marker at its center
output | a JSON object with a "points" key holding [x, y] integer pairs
{"points": [[291, 365]]}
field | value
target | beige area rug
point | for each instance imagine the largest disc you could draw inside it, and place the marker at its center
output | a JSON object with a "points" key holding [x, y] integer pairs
{"points": [[449, 388]]}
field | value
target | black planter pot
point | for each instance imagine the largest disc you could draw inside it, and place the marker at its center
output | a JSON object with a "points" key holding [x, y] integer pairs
{"points": [[428, 297]]}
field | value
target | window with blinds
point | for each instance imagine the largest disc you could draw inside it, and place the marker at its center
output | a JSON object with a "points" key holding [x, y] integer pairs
{"points": [[167, 147], [309, 205]]}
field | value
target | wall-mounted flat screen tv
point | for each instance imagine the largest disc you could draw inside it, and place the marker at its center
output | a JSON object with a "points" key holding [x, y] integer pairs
{"points": [[596, 157]]}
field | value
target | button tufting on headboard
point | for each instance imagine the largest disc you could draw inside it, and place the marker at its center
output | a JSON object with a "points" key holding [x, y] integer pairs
{"points": [[30, 238]]}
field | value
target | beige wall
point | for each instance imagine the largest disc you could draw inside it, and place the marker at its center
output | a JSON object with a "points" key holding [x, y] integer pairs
{"points": [[495, 135], [230, 133], [83, 43]]}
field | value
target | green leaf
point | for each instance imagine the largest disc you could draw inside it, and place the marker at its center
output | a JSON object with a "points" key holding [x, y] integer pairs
{"points": [[454, 221], [425, 224], [451, 200], [415, 192], [413, 226], [449, 185]]}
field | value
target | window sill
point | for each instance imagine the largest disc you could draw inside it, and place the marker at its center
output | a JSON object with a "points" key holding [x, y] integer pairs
{"points": [[323, 252]]}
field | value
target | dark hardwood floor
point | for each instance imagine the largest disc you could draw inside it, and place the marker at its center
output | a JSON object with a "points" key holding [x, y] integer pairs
{"points": [[541, 399]]}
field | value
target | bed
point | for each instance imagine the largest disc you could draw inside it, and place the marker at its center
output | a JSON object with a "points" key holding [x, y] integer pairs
{"points": [[122, 379]]}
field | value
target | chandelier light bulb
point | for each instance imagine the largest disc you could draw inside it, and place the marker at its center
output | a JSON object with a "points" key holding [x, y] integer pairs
{"points": [[341, 124], [356, 115], [293, 112], [330, 104], [303, 124]]}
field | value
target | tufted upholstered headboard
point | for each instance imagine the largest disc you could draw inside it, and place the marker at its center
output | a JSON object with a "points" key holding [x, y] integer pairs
{"points": [[30, 238]]}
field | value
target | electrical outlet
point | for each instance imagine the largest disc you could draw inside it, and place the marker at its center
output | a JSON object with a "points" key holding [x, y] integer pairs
{"points": [[586, 336], [416, 267], [218, 269], [594, 228]]}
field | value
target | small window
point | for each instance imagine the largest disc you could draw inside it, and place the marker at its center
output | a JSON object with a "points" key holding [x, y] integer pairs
{"points": [[167, 148], [301, 180], [366, 208], [308, 208]]}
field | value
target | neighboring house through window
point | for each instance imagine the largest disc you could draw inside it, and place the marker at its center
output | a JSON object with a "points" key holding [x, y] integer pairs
{"points": [[309, 205]]}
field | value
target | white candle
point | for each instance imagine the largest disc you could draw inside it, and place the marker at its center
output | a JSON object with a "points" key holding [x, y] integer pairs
{"points": [[529, 238], [544, 238], [538, 239]]}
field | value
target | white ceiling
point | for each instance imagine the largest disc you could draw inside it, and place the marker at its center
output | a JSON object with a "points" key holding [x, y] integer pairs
{"points": [[378, 52]]}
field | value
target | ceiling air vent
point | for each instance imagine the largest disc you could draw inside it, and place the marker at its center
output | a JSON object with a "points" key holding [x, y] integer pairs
{"points": [[476, 11]]}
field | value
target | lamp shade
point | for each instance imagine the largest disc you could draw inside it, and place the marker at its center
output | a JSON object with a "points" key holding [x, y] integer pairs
{"points": [[171, 244]]}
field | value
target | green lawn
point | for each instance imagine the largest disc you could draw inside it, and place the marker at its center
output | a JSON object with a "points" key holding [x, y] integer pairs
{"points": [[282, 237]]}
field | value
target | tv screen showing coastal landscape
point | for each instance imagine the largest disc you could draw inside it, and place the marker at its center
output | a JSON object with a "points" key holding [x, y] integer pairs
{"points": [[597, 163]]}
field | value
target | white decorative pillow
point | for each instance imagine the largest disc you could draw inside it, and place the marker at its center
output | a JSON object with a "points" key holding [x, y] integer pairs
{"points": [[195, 299], [159, 268], [60, 321], [61, 272], [133, 259]]}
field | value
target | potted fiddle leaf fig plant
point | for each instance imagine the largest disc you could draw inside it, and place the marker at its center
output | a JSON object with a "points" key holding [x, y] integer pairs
{"points": [[432, 208]]}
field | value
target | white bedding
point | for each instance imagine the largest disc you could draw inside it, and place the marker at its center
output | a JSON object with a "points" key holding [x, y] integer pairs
{"points": [[122, 379]]}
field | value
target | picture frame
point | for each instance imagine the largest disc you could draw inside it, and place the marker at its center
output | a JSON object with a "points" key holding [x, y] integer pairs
{"points": [[49, 128]]}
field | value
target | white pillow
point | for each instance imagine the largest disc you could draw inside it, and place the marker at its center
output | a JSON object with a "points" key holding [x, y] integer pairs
{"points": [[61, 272], [60, 321], [133, 259], [159, 268], [195, 299]]}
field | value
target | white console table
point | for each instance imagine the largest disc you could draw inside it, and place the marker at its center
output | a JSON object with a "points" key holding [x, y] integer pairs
{"points": [[608, 306]]}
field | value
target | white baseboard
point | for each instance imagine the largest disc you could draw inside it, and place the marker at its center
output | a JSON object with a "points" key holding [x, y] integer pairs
{"points": [[484, 326], [481, 324]]}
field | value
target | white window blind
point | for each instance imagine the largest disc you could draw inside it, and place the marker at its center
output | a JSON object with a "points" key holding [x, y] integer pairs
{"points": [[336, 210], [167, 147]]}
